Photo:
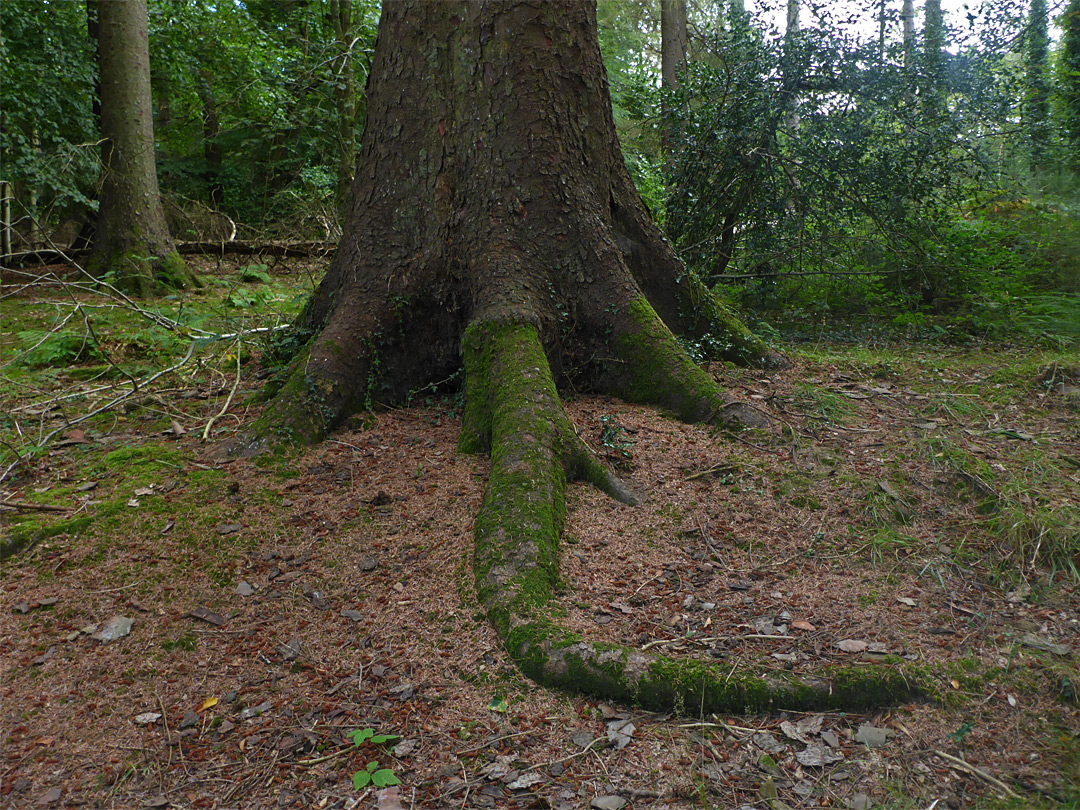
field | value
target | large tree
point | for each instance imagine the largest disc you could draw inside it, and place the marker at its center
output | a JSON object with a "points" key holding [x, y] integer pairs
{"points": [[494, 226], [132, 241]]}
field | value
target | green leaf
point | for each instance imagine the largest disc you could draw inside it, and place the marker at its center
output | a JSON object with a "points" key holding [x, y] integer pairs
{"points": [[384, 778], [360, 735], [361, 779], [379, 739], [498, 704]]}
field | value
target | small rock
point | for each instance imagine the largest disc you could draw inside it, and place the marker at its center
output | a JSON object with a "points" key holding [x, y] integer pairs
{"points": [[147, 718], [50, 796], [367, 563], [190, 719], [245, 589], [229, 696], [21, 607], [41, 659], [226, 726], [255, 711], [114, 628], [860, 801], [228, 528], [608, 803], [291, 649], [872, 736], [355, 615]]}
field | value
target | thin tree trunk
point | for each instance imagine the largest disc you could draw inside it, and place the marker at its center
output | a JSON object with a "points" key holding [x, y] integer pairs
{"points": [[132, 243], [345, 97]]}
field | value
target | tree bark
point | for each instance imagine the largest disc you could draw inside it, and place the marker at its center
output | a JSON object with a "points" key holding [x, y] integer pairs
{"points": [[344, 96], [132, 240], [494, 225]]}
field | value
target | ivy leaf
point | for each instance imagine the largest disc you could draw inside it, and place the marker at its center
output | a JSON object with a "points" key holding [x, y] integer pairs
{"points": [[384, 778], [361, 779], [360, 735]]}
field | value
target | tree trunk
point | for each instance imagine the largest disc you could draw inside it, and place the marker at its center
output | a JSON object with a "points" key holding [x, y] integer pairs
{"points": [[132, 241], [213, 152], [1036, 107], [493, 219], [344, 96]]}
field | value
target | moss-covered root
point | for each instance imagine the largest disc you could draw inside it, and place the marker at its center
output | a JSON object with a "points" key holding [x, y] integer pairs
{"points": [[334, 376], [555, 658], [656, 370], [514, 410], [719, 332]]}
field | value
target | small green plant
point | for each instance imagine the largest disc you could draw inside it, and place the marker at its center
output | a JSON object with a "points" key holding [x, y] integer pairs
{"points": [[373, 774], [613, 435]]}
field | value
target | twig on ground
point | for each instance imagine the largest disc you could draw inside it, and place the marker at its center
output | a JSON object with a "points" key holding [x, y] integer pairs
{"points": [[971, 770], [229, 399]]}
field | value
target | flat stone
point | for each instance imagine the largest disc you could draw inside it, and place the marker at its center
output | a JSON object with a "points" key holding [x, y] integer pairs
{"points": [[608, 803], [114, 628]]}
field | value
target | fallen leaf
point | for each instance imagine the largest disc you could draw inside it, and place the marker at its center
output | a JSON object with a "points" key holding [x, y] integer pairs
{"points": [[207, 615], [904, 600], [852, 645], [526, 781], [800, 624], [209, 703], [389, 799], [817, 755], [498, 704]]}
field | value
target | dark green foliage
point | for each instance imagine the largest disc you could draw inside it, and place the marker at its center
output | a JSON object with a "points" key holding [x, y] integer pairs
{"points": [[47, 131], [263, 70]]}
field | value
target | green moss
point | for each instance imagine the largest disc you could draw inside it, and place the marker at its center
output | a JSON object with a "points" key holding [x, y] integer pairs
{"points": [[658, 371]]}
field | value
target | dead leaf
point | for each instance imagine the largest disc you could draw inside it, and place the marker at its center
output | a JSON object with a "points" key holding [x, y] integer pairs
{"points": [[209, 703], [904, 600], [817, 755], [852, 645], [800, 624], [207, 615], [389, 799]]}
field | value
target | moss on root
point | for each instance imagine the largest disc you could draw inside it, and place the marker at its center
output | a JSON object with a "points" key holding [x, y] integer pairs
{"points": [[657, 370], [514, 410], [720, 334]]}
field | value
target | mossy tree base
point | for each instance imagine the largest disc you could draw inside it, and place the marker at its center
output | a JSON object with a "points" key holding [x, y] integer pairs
{"points": [[494, 227]]}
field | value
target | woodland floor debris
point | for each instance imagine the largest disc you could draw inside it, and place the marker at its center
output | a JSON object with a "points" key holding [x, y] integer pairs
{"points": [[761, 551]]}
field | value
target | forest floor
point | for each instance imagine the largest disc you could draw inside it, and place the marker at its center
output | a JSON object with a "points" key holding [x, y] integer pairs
{"points": [[185, 632]]}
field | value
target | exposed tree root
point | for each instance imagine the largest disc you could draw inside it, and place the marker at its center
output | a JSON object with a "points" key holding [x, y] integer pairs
{"points": [[515, 412]]}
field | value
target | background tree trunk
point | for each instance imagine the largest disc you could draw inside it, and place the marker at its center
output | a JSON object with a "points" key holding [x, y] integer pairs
{"points": [[132, 239], [344, 96]]}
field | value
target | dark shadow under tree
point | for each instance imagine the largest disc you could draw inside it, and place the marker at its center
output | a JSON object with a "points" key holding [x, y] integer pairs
{"points": [[493, 225]]}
